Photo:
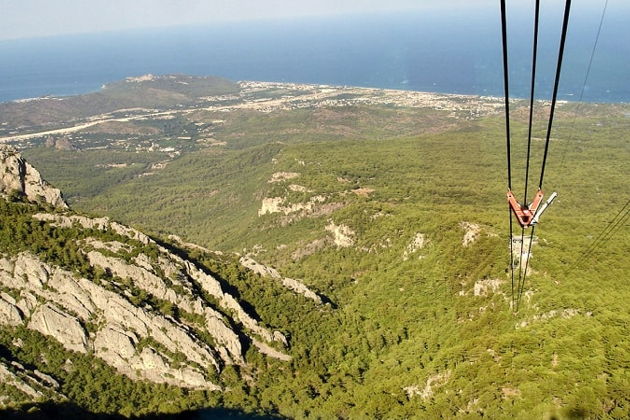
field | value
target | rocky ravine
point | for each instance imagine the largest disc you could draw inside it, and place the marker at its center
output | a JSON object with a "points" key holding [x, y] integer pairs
{"points": [[100, 316]]}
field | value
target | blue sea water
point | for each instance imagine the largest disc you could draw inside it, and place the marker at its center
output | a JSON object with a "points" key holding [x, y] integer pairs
{"points": [[443, 49]]}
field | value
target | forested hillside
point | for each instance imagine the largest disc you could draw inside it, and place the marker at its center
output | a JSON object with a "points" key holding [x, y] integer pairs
{"points": [[401, 228]]}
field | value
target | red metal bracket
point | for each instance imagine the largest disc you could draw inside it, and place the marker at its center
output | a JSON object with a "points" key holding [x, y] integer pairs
{"points": [[524, 213]]}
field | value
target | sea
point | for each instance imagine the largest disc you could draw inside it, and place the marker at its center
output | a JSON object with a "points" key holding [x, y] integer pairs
{"points": [[437, 49]]}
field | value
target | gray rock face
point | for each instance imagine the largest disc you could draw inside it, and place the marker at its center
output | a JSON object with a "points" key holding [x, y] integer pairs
{"points": [[71, 301], [173, 264], [118, 347], [229, 345], [123, 329], [50, 320], [33, 385], [270, 351], [10, 378], [291, 284], [100, 318], [47, 379], [142, 278], [227, 301], [18, 175], [9, 313], [30, 269], [99, 223]]}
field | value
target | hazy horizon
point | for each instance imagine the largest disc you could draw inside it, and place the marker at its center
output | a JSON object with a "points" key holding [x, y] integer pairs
{"points": [[442, 50], [40, 18]]}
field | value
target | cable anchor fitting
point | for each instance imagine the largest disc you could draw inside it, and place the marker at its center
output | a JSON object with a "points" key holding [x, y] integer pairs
{"points": [[529, 215]]}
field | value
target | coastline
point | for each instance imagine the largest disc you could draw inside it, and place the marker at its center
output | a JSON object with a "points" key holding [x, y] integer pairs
{"points": [[305, 95], [62, 96], [254, 96]]}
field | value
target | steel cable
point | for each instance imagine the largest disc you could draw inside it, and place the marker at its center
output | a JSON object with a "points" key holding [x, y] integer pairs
{"points": [[521, 275], [588, 73], [614, 225], [529, 254], [506, 84], [563, 37]]}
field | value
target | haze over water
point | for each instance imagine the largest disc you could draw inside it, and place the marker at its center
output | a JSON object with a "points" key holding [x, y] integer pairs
{"points": [[454, 51]]}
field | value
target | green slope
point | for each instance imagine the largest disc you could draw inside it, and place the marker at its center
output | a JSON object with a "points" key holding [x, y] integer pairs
{"points": [[409, 338]]}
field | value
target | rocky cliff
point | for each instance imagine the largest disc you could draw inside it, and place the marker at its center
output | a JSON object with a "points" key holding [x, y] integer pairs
{"points": [[18, 177], [105, 290]]}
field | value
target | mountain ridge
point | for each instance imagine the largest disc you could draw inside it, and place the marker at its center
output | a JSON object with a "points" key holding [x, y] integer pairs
{"points": [[142, 309]]}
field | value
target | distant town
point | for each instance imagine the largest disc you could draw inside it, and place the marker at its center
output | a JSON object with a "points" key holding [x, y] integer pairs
{"points": [[264, 97]]}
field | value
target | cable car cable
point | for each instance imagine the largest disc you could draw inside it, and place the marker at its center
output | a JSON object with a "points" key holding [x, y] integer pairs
{"points": [[563, 37], [565, 23], [512, 257], [521, 276], [529, 253], [531, 96], [607, 233], [604, 231], [586, 77], [506, 83]]}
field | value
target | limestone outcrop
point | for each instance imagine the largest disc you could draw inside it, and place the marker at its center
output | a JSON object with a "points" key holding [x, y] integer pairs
{"points": [[18, 176], [429, 388], [10, 378], [9, 313], [185, 275], [50, 320], [229, 345], [487, 287], [472, 233], [144, 310], [417, 243], [271, 205], [291, 284], [70, 303], [33, 385], [282, 176], [343, 236]]}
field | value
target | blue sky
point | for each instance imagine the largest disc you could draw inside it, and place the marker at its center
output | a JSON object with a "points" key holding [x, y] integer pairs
{"points": [[41, 18], [36, 18]]}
